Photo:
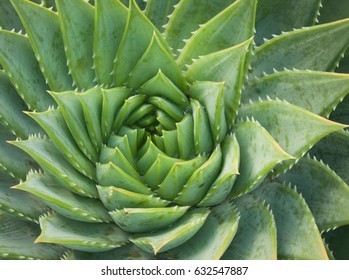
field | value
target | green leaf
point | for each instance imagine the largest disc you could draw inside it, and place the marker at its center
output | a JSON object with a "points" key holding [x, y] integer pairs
{"points": [[18, 203], [117, 198], [162, 86], [80, 236], [213, 238], [222, 185], [317, 48], [91, 102], [54, 125], [126, 252], [117, 157], [178, 176], [147, 219], [17, 241], [156, 57], [166, 239], [338, 242], [334, 151], [44, 32], [200, 181], [211, 96], [123, 144], [180, 28], [14, 161], [297, 234], [325, 193], [203, 141], [110, 22], [77, 24], [62, 200], [333, 10], [72, 111], [136, 38], [52, 161], [8, 17], [159, 170], [224, 30], [11, 110], [157, 12], [275, 16], [295, 129], [131, 104], [318, 92], [259, 154], [256, 235], [113, 99], [111, 175], [19, 62], [185, 136], [225, 66]]}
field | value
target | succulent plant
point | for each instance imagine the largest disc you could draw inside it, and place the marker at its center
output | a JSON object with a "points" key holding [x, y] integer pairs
{"points": [[171, 130]]}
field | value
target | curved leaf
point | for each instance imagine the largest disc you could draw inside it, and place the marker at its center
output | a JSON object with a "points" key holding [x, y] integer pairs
{"points": [[44, 32], [317, 48], [325, 193], [213, 238], [17, 241], [80, 236], [256, 235], [297, 234], [224, 30]]}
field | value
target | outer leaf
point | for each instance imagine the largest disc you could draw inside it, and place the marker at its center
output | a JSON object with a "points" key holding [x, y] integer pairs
{"points": [[52, 161], [77, 22], [126, 252], [325, 193], [213, 238], [14, 161], [80, 236], [11, 110], [147, 219], [157, 11], [19, 62], [224, 30], [295, 129], [63, 201], [297, 234], [17, 241], [334, 151], [256, 235], [338, 242], [223, 66], [259, 154], [199, 12], [171, 237], [18, 203], [317, 48], [42, 26], [275, 16], [110, 22], [8, 17], [318, 92]]}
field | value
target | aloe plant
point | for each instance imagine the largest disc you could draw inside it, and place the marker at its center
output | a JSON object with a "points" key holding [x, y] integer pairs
{"points": [[171, 130]]}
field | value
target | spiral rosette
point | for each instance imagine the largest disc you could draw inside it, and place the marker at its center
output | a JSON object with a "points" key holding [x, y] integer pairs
{"points": [[151, 151]]}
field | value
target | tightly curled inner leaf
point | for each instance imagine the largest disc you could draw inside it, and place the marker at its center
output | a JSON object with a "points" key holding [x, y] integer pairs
{"points": [[145, 151]]}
